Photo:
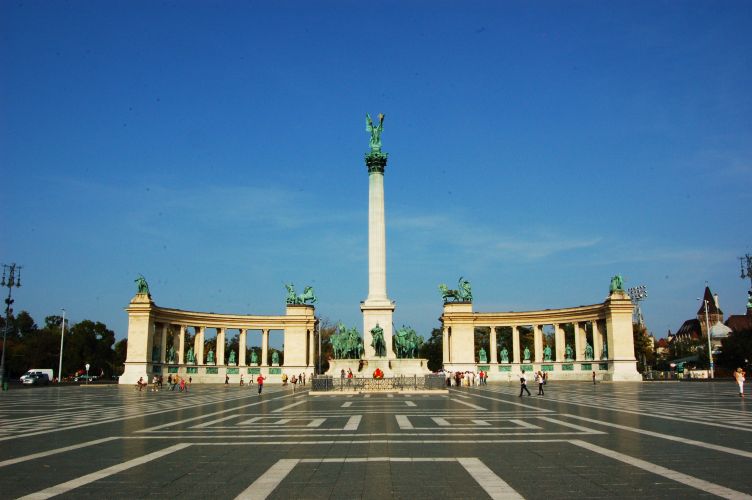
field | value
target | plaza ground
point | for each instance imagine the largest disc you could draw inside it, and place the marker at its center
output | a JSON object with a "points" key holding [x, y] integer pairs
{"points": [[627, 440]]}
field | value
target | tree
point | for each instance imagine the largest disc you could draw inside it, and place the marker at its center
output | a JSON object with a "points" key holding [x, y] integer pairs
{"points": [[89, 342], [433, 349], [643, 347], [736, 350], [121, 353]]}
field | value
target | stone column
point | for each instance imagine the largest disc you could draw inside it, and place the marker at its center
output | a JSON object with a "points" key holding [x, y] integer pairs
{"points": [[597, 341], [311, 347], [163, 348], [516, 357], [242, 347], [560, 340], [579, 345], [538, 343], [265, 347], [181, 345], [445, 345], [494, 352], [220, 347], [198, 344]]}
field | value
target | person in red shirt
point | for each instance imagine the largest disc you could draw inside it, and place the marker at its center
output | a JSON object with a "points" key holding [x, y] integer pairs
{"points": [[260, 381]]}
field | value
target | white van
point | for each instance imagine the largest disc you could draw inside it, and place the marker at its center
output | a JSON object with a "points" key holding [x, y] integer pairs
{"points": [[33, 371]]}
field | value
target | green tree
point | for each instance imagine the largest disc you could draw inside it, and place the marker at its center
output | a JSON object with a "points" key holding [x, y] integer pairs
{"points": [[121, 353], [89, 342], [432, 350], [736, 350], [643, 347]]}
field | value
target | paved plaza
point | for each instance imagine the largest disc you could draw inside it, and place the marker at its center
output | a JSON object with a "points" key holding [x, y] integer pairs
{"points": [[655, 440]]}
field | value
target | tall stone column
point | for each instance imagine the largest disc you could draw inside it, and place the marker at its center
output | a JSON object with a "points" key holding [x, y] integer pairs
{"points": [[265, 347], [560, 340], [163, 347], [220, 360], [445, 345], [242, 347], [377, 308], [492, 346], [597, 340], [538, 343], [516, 354], [579, 345], [198, 343], [181, 345]]}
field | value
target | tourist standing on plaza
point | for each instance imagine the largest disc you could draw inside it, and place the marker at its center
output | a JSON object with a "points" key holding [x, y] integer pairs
{"points": [[523, 384], [227, 380], [539, 379], [739, 377], [182, 384], [349, 377], [593, 377], [241, 380], [260, 381]]}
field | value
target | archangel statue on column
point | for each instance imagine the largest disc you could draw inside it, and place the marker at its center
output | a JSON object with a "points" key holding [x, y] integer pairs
{"points": [[375, 131]]}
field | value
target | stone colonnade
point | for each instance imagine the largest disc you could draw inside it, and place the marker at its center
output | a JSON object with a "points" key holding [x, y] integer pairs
{"points": [[610, 324], [149, 327]]}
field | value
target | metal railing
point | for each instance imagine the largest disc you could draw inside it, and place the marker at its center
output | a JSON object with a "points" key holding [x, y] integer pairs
{"points": [[388, 384]]}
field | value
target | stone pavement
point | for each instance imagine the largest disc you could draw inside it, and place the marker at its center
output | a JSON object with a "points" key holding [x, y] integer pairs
{"points": [[656, 440]]}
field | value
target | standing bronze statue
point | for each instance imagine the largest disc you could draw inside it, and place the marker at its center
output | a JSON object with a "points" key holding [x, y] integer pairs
{"points": [[375, 142]]}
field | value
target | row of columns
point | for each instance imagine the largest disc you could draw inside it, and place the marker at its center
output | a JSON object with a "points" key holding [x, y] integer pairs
{"points": [[198, 345], [580, 336]]}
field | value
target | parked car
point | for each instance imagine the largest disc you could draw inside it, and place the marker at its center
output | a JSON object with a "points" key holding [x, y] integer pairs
{"points": [[37, 379], [82, 378], [33, 371]]}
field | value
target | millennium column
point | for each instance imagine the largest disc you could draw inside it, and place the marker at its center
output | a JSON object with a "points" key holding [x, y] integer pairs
{"points": [[377, 308]]}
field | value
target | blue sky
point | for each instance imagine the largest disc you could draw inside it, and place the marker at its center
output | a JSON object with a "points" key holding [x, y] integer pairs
{"points": [[536, 148]]}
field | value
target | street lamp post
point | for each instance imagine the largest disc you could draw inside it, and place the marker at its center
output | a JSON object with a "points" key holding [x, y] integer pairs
{"points": [[10, 282], [710, 348], [60, 364], [637, 294]]}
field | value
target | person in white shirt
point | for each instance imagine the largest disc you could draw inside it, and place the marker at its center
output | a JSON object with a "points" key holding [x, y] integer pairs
{"points": [[523, 384]]}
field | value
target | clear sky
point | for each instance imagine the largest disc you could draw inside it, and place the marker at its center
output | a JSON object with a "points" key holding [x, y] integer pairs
{"points": [[536, 148]]}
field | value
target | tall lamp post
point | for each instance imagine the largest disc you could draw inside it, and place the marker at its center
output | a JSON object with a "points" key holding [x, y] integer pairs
{"points": [[710, 348], [10, 282], [62, 336], [637, 294]]}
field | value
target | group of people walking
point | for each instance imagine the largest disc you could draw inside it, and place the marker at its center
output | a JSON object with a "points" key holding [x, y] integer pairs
{"points": [[540, 378], [466, 378]]}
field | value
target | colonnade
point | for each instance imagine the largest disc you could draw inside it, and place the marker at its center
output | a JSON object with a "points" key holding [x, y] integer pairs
{"points": [[150, 327], [516, 349], [609, 324]]}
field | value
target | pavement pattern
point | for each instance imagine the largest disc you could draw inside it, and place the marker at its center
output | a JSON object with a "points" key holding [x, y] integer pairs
{"points": [[579, 440]]}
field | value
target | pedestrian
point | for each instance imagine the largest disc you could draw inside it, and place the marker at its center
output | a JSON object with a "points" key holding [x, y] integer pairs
{"points": [[140, 384], [349, 377], [227, 380], [154, 383], [342, 377], [161, 378], [304, 378], [739, 377], [539, 379], [260, 381], [523, 384], [294, 382], [457, 378], [182, 384], [241, 380], [593, 377], [284, 379]]}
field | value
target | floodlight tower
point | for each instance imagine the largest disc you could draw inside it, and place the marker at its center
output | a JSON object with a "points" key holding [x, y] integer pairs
{"points": [[637, 294], [9, 271]]}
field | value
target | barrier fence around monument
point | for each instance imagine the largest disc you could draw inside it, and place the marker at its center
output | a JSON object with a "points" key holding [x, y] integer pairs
{"points": [[324, 383]]}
